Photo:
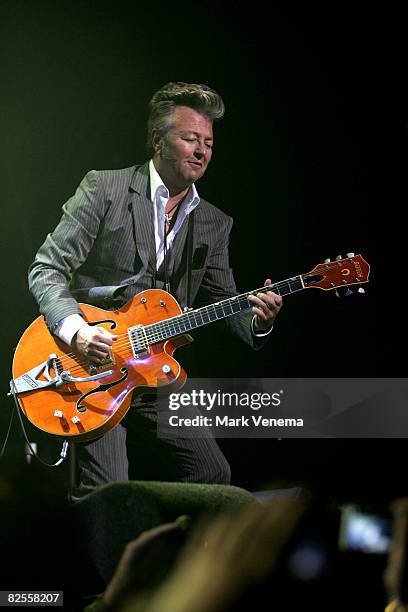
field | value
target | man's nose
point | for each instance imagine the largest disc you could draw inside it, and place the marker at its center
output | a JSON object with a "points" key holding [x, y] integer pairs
{"points": [[200, 150]]}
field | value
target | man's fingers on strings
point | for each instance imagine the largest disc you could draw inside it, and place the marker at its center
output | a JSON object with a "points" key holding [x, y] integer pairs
{"points": [[106, 335], [272, 300], [266, 303], [259, 307], [97, 354], [260, 312], [277, 298]]}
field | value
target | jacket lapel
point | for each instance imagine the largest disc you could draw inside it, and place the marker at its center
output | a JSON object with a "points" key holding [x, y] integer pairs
{"points": [[143, 214], [176, 253]]}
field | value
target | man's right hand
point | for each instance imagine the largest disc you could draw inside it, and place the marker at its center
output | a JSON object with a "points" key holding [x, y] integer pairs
{"points": [[95, 343]]}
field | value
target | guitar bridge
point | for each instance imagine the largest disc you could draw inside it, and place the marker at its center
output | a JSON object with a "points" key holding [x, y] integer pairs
{"points": [[94, 368]]}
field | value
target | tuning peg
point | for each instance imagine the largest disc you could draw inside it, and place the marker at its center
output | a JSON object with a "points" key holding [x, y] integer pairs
{"points": [[327, 260], [361, 290], [348, 292], [339, 257], [336, 293], [350, 254]]}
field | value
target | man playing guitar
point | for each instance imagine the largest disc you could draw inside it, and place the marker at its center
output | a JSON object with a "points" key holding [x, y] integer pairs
{"points": [[133, 230]]}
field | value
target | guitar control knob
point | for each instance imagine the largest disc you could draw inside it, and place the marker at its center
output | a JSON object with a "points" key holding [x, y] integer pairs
{"points": [[166, 368], [76, 419], [58, 413]]}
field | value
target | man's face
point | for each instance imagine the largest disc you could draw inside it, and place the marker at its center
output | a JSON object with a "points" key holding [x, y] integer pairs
{"points": [[183, 156]]}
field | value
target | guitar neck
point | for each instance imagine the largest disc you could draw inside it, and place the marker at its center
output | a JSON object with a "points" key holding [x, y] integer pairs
{"points": [[188, 321]]}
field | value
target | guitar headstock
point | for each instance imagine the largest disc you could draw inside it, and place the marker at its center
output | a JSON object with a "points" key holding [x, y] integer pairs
{"points": [[343, 272]]}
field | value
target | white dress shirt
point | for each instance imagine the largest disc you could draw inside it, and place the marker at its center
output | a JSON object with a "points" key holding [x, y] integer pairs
{"points": [[160, 196]]}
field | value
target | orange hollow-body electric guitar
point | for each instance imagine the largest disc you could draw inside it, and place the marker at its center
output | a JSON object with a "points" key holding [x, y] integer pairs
{"points": [[64, 394]]}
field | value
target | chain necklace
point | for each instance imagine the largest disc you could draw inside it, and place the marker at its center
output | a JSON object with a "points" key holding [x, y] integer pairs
{"points": [[167, 214]]}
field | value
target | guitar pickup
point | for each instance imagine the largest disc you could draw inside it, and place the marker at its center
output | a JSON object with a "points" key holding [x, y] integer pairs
{"points": [[138, 341]]}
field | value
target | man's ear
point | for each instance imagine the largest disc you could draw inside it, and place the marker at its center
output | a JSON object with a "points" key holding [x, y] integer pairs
{"points": [[157, 142]]}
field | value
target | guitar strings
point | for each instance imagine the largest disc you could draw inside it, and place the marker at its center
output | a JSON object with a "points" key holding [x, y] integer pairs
{"points": [[167, 324], [165, 329], [168, 327], [171, 327]]}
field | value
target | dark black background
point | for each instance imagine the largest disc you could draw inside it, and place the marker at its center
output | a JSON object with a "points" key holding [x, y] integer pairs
{"points": [[309, 160]]}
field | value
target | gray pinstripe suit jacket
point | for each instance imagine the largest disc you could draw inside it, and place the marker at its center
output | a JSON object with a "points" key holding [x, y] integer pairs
{"points": [[106, 236]]}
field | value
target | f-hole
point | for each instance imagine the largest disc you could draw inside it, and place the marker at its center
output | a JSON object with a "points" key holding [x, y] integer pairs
{"points": [[101, 388], [110, 321]]}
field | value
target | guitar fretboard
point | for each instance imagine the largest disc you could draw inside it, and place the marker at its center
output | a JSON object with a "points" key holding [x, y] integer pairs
{"points": [[175, 326]]}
